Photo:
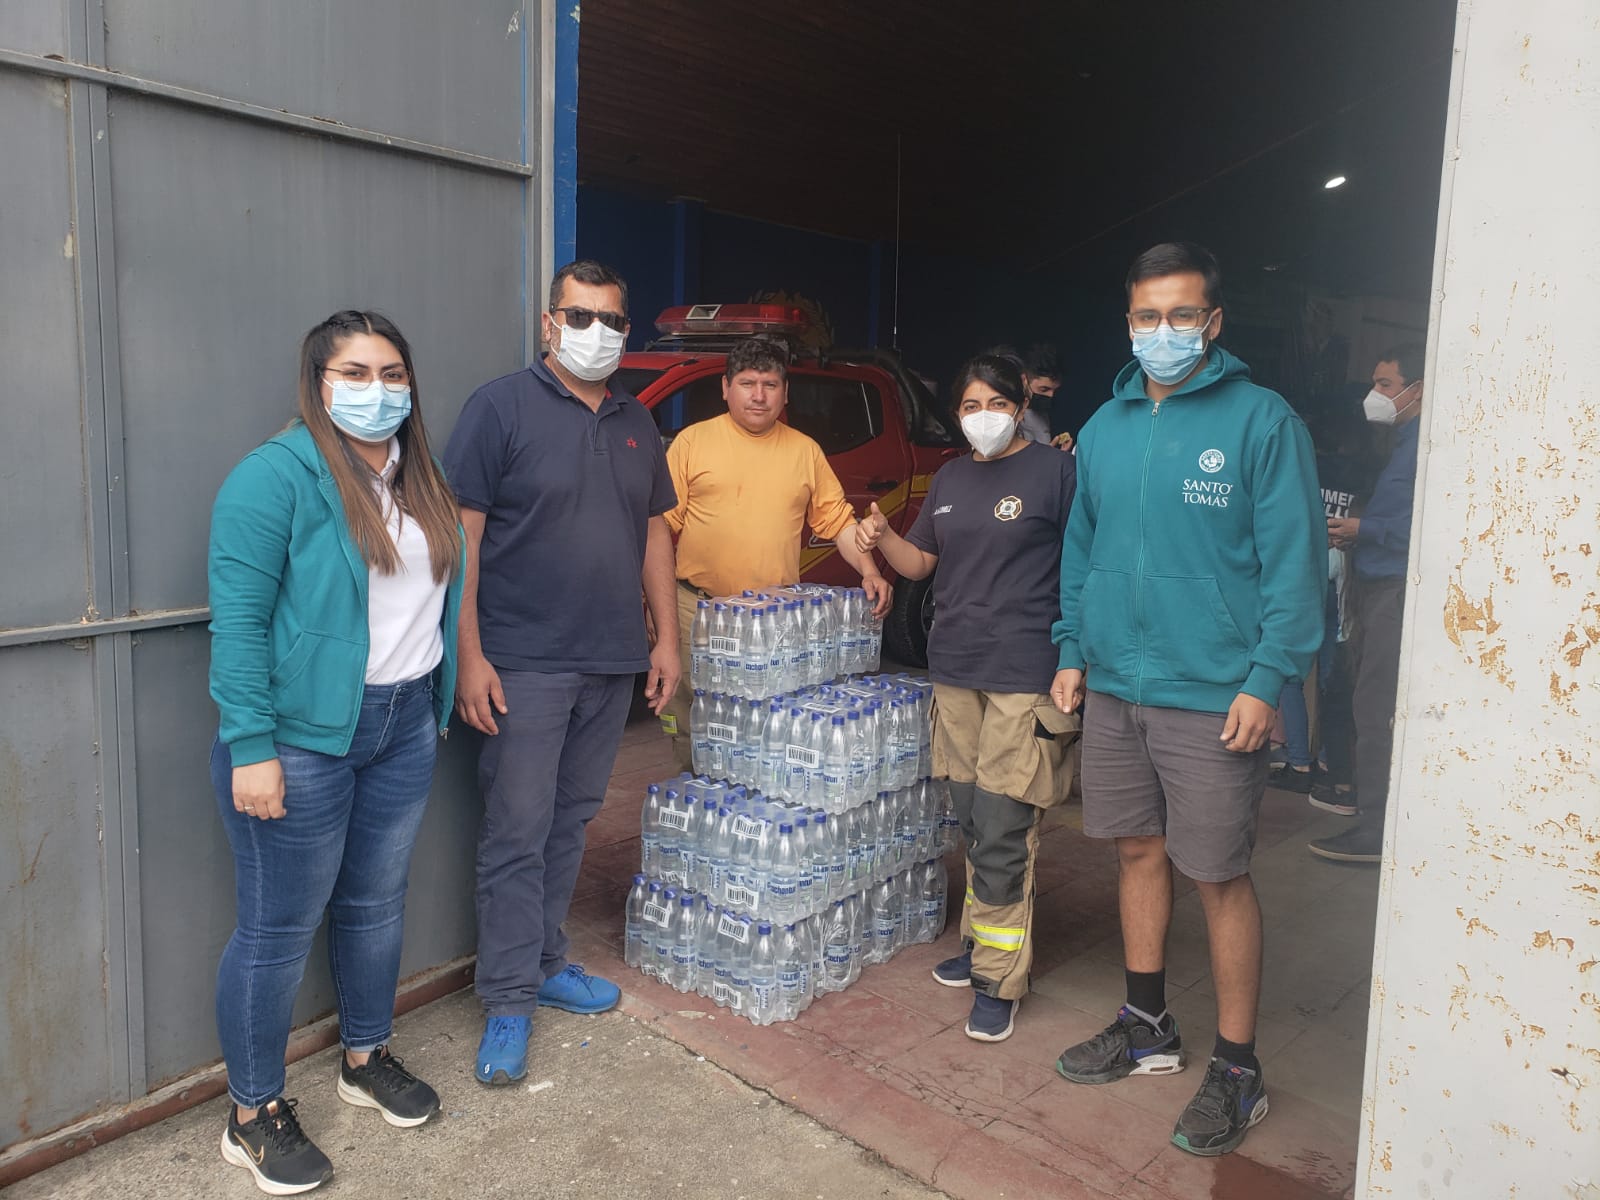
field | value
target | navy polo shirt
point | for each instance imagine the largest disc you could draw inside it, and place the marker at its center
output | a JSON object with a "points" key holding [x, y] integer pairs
{"points": [[566, 494]]}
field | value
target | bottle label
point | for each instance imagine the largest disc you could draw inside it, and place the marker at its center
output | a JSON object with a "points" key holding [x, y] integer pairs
{"points": [[838, 954], [724, 645], [682, 957], [731, 927], [721, 733], [672, 818], [782, 887], [799, 756], [655, 914], [932, 910], [886, 928], [789, 979], [746, 827], [739, 897]]}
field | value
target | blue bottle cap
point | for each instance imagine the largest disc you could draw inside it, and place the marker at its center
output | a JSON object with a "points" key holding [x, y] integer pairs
{"points": [[638, 879], [785, 828], [839, 720], [686, 900], [764, 929]]}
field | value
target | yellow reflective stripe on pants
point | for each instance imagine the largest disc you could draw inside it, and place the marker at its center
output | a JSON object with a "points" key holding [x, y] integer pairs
{"points": [[999, 937]]}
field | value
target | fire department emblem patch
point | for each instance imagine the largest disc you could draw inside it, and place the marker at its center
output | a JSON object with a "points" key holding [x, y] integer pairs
{"points": [[1008, 509]]}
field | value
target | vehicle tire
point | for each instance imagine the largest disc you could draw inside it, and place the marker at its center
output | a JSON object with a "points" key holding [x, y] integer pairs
{"points": [[906, 628]]}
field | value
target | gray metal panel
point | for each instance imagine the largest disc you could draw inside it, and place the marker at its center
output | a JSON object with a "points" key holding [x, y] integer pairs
{"points": [[451, 74], [232, 240], [186, 869], [42, 521], [37, 26], [54, 1039]]}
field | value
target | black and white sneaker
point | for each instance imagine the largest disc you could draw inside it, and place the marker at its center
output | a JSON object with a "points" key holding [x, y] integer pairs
{"points": [[274, 1149], [383, 1083], [1231, 1099], [1127, 1046]]}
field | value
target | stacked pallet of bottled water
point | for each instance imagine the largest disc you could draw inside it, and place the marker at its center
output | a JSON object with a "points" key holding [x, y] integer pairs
{"points": [[762, 644], [829, 746], [810, 858]]}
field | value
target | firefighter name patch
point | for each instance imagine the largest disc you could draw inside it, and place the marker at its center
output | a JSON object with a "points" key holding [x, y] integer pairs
{"points": [[1009, 509]]}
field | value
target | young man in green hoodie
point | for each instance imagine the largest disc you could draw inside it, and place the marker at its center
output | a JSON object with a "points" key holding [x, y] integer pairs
{"points": [[1190, 593]]}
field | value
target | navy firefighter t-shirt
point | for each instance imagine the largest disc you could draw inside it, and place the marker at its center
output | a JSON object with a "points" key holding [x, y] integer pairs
{"points": [[566, 495], [997, 528]]}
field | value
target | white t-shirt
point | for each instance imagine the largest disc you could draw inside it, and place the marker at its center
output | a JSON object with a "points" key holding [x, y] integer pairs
{"points": [[404, 610]]}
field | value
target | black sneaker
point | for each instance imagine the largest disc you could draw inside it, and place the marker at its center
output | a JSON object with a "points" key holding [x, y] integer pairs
{"points": [[1363, 844], [1231, 1099], [1329, 798], [1287, 779], [1127, 1046], [955, 972], [274, 1149], [383, 1083]]}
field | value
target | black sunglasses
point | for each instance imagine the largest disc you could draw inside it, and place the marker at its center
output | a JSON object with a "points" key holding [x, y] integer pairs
{"points": [[582, 318]]}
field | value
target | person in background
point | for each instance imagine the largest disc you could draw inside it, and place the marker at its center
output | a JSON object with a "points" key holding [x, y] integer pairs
{"points": [[564, 488], [1044, 380], [335, 571], [1191, 592], [993, 523], [1379, 541], [747, 484]]}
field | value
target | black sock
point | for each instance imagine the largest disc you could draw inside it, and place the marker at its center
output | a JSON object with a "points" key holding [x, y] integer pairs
{"points": [[1240, 1054], [1147, 991]]}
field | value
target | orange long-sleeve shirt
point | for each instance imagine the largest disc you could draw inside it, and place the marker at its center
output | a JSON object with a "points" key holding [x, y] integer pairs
{"points": [[742, 501]]}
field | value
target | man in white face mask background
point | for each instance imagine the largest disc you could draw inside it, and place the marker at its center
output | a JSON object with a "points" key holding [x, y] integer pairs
{"points": [[1380, 539], [563, 486]]}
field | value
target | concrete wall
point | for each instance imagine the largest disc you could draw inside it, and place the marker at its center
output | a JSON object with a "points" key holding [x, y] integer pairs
{"points": [[1483, 1062]]}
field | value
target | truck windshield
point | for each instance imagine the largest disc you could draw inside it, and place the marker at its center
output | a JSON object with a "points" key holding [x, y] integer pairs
{"points": [[635, 380]]}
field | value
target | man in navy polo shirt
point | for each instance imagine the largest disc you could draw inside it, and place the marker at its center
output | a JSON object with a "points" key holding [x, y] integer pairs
{"points": [[562, 483]]}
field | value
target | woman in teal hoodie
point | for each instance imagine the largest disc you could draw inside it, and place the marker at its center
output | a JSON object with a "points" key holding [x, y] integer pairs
{"points": [[335, 570]]}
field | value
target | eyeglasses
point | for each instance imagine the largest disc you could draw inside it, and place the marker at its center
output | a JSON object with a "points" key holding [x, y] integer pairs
{"points": [[394, 379], [582, 318], [1179, 320]]}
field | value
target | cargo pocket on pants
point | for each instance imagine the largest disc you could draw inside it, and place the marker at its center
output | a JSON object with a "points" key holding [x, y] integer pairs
{"points": [[1055, 735]]}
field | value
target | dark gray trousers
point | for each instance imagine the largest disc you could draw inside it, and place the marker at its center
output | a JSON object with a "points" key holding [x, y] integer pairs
{"points": [[543, 777], [1380, 608]]}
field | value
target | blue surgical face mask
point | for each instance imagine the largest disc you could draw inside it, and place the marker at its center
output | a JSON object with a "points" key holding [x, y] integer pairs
{"points": [[369, 412], [1168, 357]]}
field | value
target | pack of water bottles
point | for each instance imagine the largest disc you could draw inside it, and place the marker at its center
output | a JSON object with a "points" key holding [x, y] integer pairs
{"points": [[762, 644], [767, 969], [832, 746]]}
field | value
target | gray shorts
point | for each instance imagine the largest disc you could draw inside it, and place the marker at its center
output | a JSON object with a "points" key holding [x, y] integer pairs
{"points": [[1152, 772]]}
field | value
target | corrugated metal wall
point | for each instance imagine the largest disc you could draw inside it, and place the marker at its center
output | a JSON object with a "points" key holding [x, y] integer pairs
{"points": [[189, 185]]}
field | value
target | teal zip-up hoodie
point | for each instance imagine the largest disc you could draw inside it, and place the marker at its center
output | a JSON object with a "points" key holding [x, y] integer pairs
{"points": [[1192, 568], [289, 607]]}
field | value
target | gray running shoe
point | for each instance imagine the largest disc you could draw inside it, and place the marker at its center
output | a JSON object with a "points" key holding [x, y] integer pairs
{"points": [[1127, 1046]]}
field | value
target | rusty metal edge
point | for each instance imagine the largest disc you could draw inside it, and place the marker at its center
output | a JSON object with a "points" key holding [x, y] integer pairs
{"points": [[38, 1154]]}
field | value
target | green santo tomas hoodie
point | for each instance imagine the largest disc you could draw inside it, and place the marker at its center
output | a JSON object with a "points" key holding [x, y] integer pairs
{"points": [[1193, 563]]}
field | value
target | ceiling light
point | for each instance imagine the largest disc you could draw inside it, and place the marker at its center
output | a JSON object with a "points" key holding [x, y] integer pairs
{"points": [[1336, 181]]}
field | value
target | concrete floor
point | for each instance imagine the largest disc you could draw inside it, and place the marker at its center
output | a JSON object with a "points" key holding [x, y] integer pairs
{"points": [[618, 1113]]}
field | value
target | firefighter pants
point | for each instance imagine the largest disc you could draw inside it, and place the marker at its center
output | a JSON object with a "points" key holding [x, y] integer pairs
{"points": [[1008, 756]]}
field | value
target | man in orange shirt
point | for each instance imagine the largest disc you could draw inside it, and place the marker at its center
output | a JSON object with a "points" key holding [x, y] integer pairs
{"points": [[747, 484]]}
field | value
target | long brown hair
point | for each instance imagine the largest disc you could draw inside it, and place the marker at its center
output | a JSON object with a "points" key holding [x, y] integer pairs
{"points": [[418, 484]]}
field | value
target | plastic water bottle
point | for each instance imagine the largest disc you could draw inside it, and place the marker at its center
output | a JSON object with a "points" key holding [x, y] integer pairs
{"points": [[681, 974], [705, 948], [722, 986], [798, 661], [835, 766], [949, 821], [700, 646], [800, 754], [665, 934], [699, 743], [739, 971], [888, 931], [763, 977], [669, 816], [653, 914], [857, 777], [758, 875], [935, 887], [721, 639], [633, 922], [872, 625], [838, 953], [816, 627], [757, 652], [806, 840], [773, 778], [838, 857], [650, 831], [783, 883], [905, 829]]}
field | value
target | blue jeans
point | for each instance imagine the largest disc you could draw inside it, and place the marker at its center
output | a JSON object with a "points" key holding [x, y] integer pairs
{"points": [[344, 847], [543, 776]]}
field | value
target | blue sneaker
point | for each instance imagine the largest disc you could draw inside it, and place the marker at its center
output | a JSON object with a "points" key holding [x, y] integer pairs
{"points": [[991, 1019], [503, 1052], [578, 991]]}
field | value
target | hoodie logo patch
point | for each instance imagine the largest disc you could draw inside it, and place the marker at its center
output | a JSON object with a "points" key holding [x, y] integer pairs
{"points": [[1212, 461]]}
